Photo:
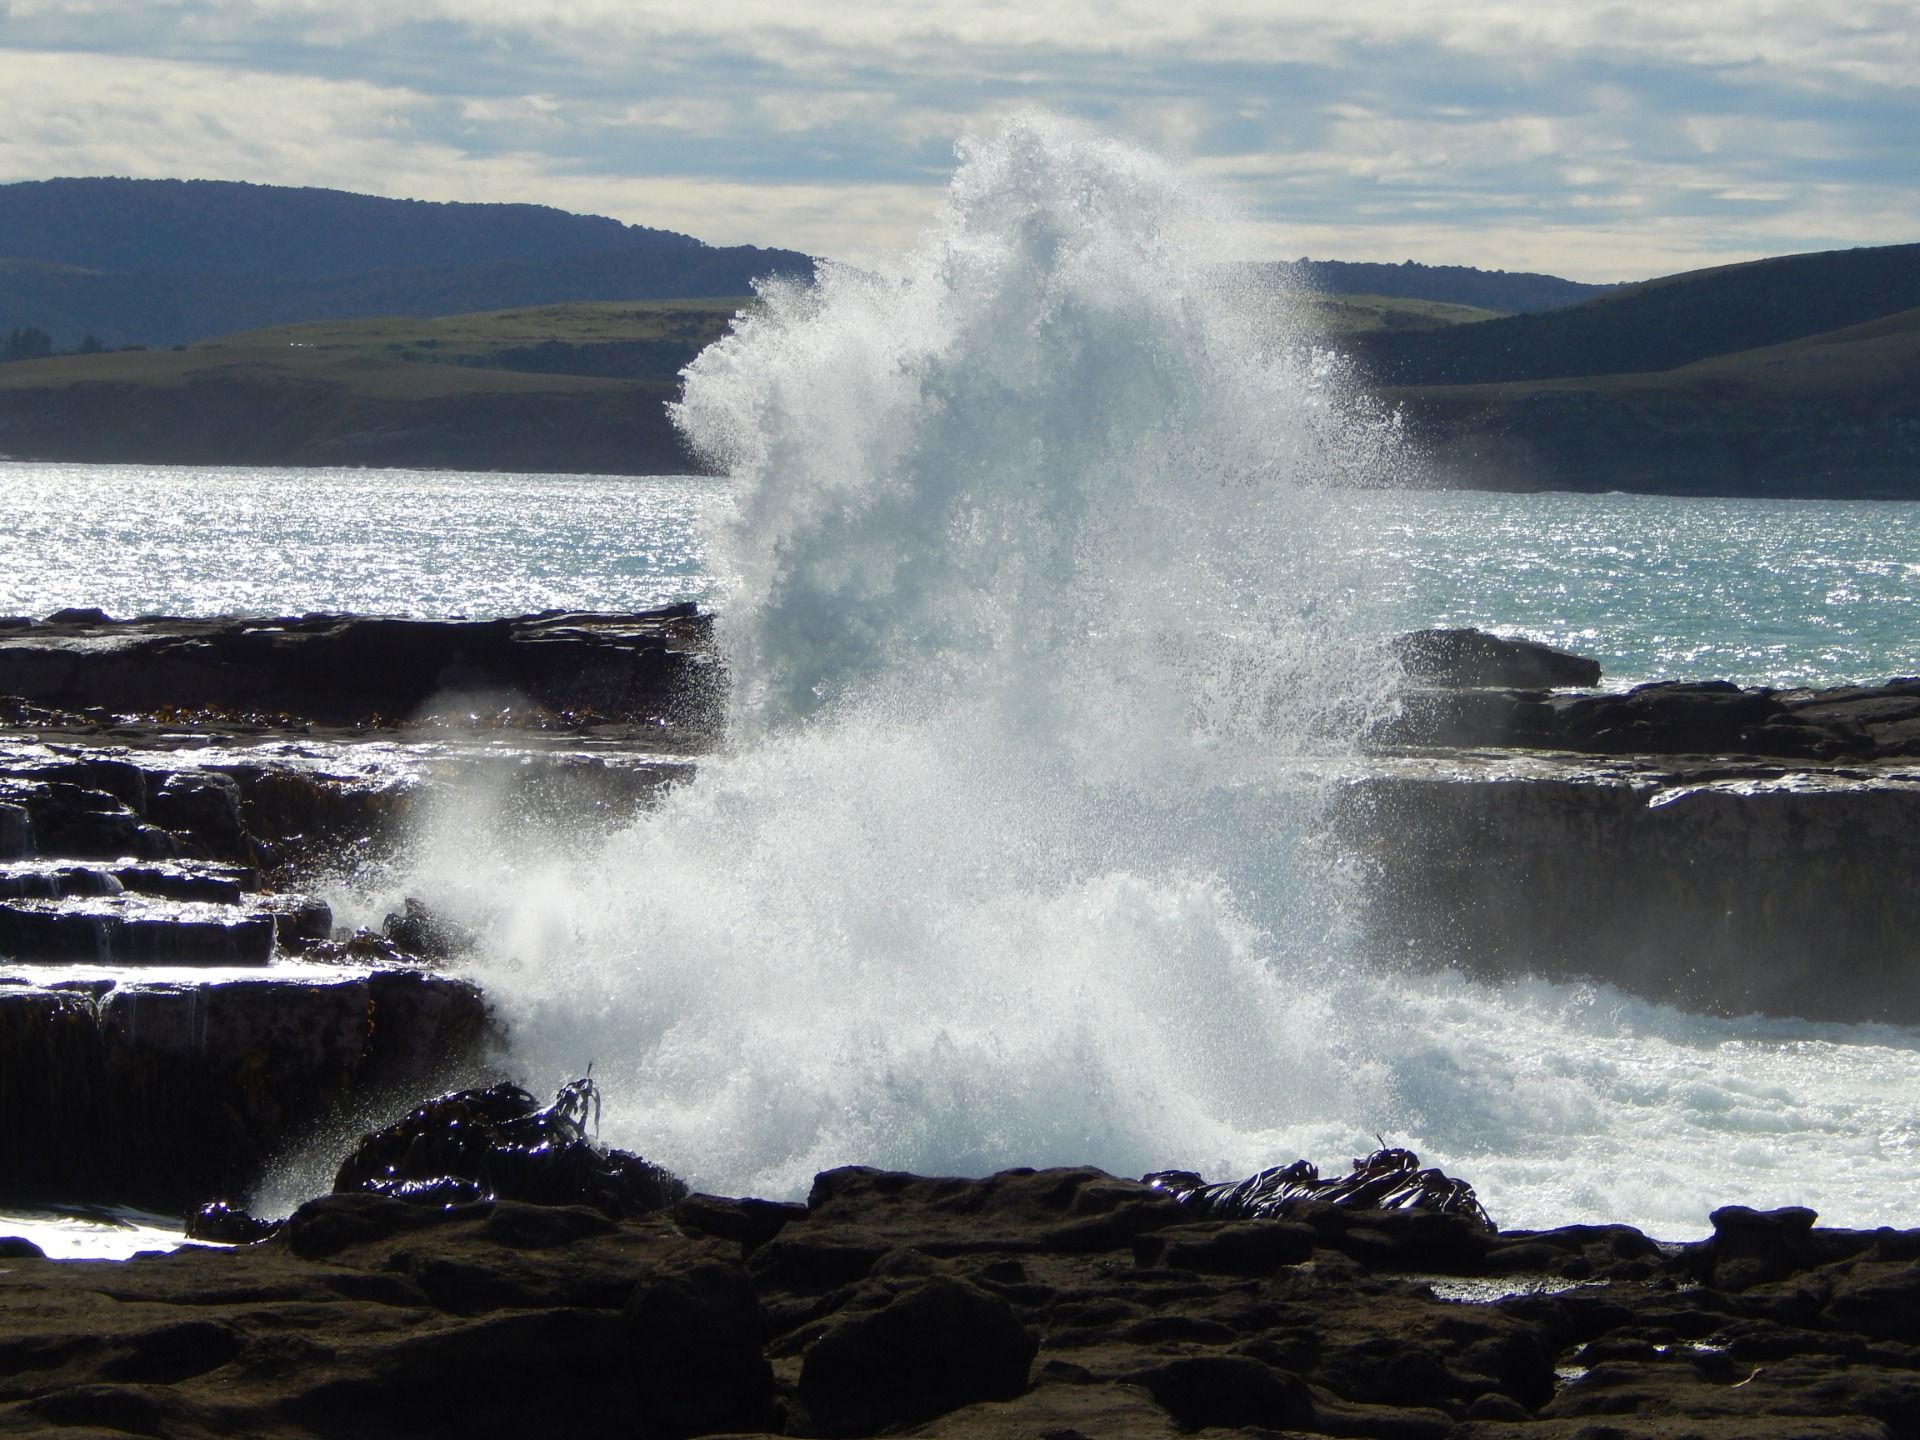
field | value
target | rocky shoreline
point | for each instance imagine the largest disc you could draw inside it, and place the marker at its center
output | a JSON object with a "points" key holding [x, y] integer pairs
{"points": [[1055, 1303], [172, 991]]}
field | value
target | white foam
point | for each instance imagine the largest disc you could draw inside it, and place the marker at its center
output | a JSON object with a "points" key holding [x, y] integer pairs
{"points": [[1041, 618]]}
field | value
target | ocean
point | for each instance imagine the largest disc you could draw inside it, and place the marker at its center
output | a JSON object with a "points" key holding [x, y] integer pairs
{"points": [[1762, 592], [1049, 584]]}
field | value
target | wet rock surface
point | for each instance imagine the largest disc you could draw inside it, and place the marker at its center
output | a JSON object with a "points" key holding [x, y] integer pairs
{"points": [[176, 1006], [1469, 689], [346, 669], [1032, 1303], [1781, 884]]}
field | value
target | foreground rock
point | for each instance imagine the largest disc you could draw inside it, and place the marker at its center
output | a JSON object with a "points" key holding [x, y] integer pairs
{"points": [[1053, 1303]]}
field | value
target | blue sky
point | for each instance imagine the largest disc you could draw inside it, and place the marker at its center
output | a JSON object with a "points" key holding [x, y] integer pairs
{"points": [[1605, 140]]}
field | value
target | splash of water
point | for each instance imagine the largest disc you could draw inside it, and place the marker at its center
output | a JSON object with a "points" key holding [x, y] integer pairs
{"points": [[1032, 611], [1043, 639]]}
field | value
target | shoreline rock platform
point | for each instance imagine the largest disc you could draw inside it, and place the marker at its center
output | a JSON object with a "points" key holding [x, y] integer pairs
{"points": [[1055, 1303], [175, 1005]]}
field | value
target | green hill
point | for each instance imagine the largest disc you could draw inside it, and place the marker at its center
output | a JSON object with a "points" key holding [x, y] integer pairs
{"points": [[1828, 415], [562, 388], [1499, 291], [1660, 324], [1358, 314]]}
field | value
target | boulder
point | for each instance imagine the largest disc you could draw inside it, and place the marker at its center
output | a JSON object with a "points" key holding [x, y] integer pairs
{"points": [[933, 1346]]}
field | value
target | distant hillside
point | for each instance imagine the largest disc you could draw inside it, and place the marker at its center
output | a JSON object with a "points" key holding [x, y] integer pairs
{"points": [[1659, 324], [1496, 290], [1347, 314], [163, 262], [1829, 415], [579, 388]]}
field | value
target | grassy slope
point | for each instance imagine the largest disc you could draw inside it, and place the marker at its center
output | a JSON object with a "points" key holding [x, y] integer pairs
{"points": [[1361, 314], [1662, 324], [398, 357], [1836, 413], [395, 391]]}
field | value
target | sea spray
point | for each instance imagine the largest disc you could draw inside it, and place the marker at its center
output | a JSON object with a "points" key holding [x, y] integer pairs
{"points": [[1045, 649], [1036, 618]]}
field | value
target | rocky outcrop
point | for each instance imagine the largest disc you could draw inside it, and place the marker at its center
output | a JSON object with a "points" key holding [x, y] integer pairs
{"points": [[1030, 1303], [163, 1092], [1721, 848], [1709, 717], [1722, 887], [346, 669], [166, 1023], [1465, 657]]}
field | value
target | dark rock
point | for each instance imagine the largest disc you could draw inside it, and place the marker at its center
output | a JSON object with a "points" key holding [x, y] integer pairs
{"points": [[1387, 1180], [16, 832], [203, 807], [185, 1090], [343, 669], [1474, 658], [420, 931], [1236, 1247], [299, 920], [1231, 1391], [1752, 1247], [698, 1344], [228, 1224], [933, 1347], [750, 1223], [499, 1143]]}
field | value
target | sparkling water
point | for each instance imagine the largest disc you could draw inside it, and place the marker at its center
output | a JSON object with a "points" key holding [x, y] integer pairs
{"points": [[1764, 592]]}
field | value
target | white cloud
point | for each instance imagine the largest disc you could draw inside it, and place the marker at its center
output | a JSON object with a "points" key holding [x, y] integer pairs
{"points": [[1552, 135]]}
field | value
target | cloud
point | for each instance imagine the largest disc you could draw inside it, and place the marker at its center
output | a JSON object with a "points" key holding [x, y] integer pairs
{"points": [[1605, 140]]}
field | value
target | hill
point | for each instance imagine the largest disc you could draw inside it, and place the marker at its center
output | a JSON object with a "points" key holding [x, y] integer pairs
{"points": [[1496, 290], [1831, 415], [579, 388], [164, 262], [1354, 314], [1659, 324]]}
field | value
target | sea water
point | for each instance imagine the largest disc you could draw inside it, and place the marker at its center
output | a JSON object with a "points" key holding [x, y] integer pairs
{"points": [[1655, 587], [1051, 584]]}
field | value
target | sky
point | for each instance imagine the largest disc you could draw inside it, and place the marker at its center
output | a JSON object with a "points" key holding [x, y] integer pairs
{"points": [[1602, 140]]}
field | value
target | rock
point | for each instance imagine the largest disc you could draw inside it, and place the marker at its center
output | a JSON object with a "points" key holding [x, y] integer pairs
{"points": [[1770, 878], [228, 1224], [1388, 1179], [203, 807], [1231, 1391], [419, 931], [183, 1091], [1752, 1247], [471, 1146], [367, 1315], [699, 1346], [1473, 657], [936, 1345], [342, 669]]}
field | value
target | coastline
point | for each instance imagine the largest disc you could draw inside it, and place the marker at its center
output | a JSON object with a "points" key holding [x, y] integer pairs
{"points": [[1083, 1303]]}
